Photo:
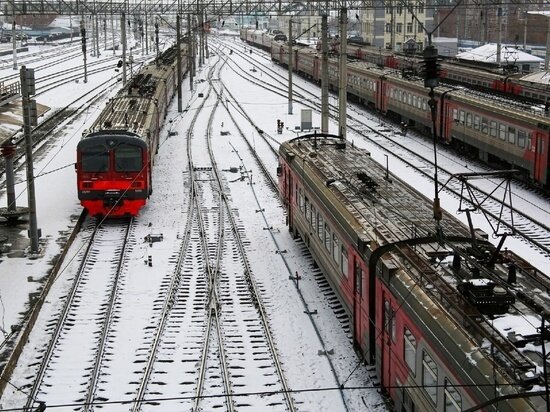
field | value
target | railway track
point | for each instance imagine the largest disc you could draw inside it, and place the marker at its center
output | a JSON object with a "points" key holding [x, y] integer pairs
{"points": [[237, 332], [151, 334], [512, 220], [90, 300]]}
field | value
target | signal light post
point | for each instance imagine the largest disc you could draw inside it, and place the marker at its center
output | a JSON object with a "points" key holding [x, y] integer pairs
{"points": [[430, 73]]}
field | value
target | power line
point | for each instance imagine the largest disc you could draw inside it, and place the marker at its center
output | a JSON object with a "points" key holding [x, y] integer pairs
{"points": [[292, 391]]}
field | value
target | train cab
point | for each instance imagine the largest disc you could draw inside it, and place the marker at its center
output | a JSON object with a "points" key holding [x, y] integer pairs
{"points": [[112, 173]]}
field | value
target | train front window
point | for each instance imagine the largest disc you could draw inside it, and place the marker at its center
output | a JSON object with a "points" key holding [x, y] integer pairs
{"points": [[95, 159], [128, 159]]}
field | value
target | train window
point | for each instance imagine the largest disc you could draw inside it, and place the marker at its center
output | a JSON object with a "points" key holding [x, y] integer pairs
{"points": [[476, 122], [307, 209], [484, 123], [512, 135], [502, 131], [410, 350], [320, 226], [95, 159], [128, 159], [313, 216], [461, 116], [328, 237], [493, 128], [296, 194], [414, 101], [301, 200], [469, 119], [455, 115], [344, 261], [335, 248], [429, 377], [424, 104], [453, 400], [521, 138]]}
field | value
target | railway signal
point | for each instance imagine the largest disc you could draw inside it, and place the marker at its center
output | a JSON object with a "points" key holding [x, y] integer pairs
{"points": [[430, 69]]}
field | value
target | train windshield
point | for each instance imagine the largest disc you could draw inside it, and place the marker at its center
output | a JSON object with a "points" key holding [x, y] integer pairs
{"points": [[95, 159], [128, 158]]}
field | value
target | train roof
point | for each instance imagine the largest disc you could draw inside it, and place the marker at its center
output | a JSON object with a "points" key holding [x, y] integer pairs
{"points": [[130, 109], [380, 210]]}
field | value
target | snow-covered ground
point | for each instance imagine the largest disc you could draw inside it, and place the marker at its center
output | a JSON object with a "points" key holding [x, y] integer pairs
{"points": [[297, 341], [58, 206]]}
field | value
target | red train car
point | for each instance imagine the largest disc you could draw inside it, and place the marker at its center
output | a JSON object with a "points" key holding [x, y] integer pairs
{"points": [[494, 130], [115, 157], [423, 305]]}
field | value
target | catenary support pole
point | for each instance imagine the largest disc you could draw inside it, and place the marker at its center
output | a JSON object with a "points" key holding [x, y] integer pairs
{"points": [[342, 86], [14, 44], [123, 41], [324, 74], [189, 52], [290, 66], [178, 58], [27, 89]]}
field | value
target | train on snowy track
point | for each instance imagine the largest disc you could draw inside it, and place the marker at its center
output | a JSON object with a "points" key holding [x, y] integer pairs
{"points": [[449, 321], [513, 81], [116, 155], [500, 132]]}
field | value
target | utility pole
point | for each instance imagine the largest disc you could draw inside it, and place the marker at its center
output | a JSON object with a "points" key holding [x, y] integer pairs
{"points": [[113, 32], [189, 52], [324, 74], [290, 66], [207, 54], [123, 41], [30, 119], [97, 53], [83, 37], [14, 43], [157, 36], [146, 34], [178, 57], [499, 35], [343, 70]]}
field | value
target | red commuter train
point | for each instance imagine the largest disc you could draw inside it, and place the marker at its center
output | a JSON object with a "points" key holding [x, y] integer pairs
{"points": [[449, 322], [452, 71], [497, 131], [116, 155]]}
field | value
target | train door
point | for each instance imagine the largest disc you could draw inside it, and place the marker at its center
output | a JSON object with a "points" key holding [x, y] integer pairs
{"points": [[388, 335], [316, 64], [288, 198], [358, 338], [540, 158], [382, 100]]}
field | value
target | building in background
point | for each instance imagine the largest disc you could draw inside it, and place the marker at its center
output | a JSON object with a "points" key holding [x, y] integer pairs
{"points": [[391, 25]]}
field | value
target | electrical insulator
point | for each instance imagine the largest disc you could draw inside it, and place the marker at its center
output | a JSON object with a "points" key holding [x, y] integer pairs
{"points": [[430, 69]]}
